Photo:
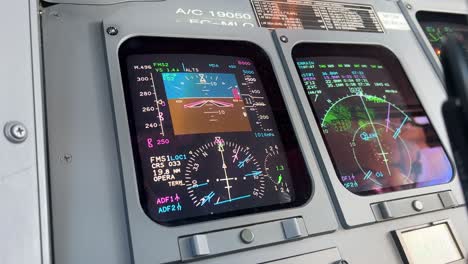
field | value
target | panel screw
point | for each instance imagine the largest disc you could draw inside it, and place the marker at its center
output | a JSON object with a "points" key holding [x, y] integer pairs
{"points": [[409, 6], [15, 132], [247, 236], [112, 31], [55, 14], [418, 205], [67, 158], [284, 39]]}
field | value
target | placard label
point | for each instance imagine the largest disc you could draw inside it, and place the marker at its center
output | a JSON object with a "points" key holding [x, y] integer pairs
{"points": [[319, 15], [395, 21]]}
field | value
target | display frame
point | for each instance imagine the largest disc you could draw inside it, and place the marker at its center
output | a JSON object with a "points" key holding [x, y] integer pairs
{"points": [[354, 210], [153, 46], [142, 230], [405, 249], [437, 17], [411, 8], [386, 58]]}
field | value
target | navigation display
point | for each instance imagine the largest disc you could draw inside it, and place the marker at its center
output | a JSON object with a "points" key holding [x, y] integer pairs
{"points": [[210, 131], [436, 26], [376, 131]]}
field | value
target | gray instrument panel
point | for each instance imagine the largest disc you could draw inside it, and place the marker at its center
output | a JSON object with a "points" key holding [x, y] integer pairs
{"points": [[412, 7], [95, 209], [355, 210], [23, 173], [140, 226]]}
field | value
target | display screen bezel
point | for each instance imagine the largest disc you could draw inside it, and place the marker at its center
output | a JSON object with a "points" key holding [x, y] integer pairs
{"points": [[441, 17], [145, 45], [390, 61], [430, 17]]}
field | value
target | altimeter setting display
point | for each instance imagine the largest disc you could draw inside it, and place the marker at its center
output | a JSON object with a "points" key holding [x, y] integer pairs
{"points": [[377, 133]]}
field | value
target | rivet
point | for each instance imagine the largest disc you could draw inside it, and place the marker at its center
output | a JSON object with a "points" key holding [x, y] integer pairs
{"points": [[418, 205], [284, 39], [67, 158], [112, 31], [247, 236]]}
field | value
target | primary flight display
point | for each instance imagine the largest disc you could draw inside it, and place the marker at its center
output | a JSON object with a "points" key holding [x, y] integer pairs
{"points": [[378, 135], [206, 139]]}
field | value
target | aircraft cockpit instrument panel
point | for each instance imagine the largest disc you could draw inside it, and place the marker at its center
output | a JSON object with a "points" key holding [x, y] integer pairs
{"points": [[267, 131], [378, 135], [205, 131], [436, 26]]}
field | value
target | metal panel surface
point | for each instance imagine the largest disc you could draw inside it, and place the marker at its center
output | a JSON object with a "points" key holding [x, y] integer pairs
{"points": [[411, 7], [88, 219], [97, 2], [23, 203], [363, 245], [143, 230], [86, 190], [356, 210], [88, 208], [327, 256]]}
